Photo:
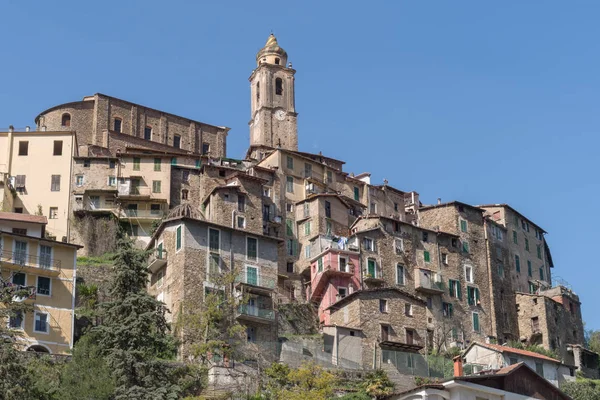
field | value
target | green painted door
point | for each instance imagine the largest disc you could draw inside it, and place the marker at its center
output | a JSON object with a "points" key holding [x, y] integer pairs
{"points": [[252, 276]]}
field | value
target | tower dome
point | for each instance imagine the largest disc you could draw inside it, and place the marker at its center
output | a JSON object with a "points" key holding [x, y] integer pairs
{"points": [[272, 53]]}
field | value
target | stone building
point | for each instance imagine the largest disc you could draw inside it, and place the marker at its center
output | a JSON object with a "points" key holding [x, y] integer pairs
{"points": [[386, 318], [46, 270], [193, 256]]}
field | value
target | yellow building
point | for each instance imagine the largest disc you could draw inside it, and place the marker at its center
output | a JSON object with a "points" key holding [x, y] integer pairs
{"points": [[38, 168], [47, 269]]}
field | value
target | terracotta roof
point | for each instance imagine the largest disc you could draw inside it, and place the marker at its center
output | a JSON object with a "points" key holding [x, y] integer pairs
{"points": [[484, 206], [512, 350], [507, 370], [451, 203], [8, 216]]}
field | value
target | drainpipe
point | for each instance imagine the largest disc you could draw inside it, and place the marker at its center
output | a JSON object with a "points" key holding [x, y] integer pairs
{"points": [[488, 260]]}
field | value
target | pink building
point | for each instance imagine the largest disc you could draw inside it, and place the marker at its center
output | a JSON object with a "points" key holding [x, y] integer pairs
{"points": [[334, 274]]}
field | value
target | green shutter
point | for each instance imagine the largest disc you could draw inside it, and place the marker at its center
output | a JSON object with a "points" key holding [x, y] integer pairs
{"points": [[458, 290], [450, 309], [477, 299], [529, 271], [136, 163], [289, 229], [294, 247], [515, 239], [251, 276], [356, 194], [178, 237], [542, 273], [174, 161], [476, 322], [371, 267], [320, 264], [198, 163], [426, 256], [463, 225], [518, 263], [451, 289], [539, 251], [465, 247], [526, 244]]}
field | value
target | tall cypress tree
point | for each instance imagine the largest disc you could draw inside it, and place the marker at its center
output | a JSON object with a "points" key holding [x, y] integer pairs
{"points": [[134, 335]]}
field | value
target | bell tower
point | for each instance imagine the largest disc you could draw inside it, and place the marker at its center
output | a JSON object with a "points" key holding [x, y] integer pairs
{"points": [[273, 122]]}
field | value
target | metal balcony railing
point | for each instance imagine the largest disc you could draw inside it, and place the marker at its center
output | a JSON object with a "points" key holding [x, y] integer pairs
{"points": [[21, 258], [256, 280], [255, 311], [130, 213]]}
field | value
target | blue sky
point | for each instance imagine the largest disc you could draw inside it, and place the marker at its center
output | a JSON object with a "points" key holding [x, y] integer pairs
{"points": [[483, 102]]}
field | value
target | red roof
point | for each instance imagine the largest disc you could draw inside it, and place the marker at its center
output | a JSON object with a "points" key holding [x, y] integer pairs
{"points": [[8, 216], [506, 349]]}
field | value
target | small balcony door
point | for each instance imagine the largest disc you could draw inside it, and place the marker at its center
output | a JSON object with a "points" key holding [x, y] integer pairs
{"points": [[385, 333], [94, 202], [20, 255], [135, 186], [252, 275], [372, 268], [410, 337], [252, 307]]}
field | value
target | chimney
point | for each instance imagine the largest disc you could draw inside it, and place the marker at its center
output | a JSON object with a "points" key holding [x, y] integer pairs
{"points": [[11, 129], [439, 200], [458, 366]]}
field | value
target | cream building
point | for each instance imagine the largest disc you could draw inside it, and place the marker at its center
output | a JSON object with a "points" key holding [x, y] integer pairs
{"points": [[37, 166], [47, 270]]}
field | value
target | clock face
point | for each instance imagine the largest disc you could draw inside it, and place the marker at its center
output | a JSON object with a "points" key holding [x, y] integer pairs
{"points": [[280, 115]]}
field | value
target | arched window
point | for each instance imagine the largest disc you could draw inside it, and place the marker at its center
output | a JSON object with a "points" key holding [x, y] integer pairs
{"points": [[184, 194], [278, 86], [277, 61], [257, 91], [66, 120]]}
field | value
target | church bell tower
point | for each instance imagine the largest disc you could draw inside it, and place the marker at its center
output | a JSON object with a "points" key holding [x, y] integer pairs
{"points": [[273, 122]]}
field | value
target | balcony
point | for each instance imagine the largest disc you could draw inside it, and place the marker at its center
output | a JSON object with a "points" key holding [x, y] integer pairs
{"points": [[255, 283], [255, 314], [94, 207], [373, 276], [428, 282], [133, 191], [24, 262], [141, 214], [157, 260]]}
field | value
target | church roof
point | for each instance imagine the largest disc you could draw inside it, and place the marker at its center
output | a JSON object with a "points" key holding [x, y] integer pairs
{"points": [[271, 47]]}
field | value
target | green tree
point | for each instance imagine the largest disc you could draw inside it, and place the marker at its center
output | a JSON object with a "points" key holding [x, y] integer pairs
{"points": [[582, 389], [592, 339], [133, 336], [378, 384], [309, 382]]}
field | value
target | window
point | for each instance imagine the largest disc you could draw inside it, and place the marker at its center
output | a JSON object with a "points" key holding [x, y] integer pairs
{"points": [[372, 268], [278, 86], [513, 360], [535, 324], [23, 147], [472, 295], [177, 141], [373, 208], [356, 194], [174, 162], [541, 273], [148, 133], [112, 181], [184, 194], [40, 322], [111, 164], [289, 186], [385, 329], [277, 61], [320, 265], [43, 285], [292, 247], [539, 368], [289, 227], [526, 244], [476, 322], [58, 145], [267, 192], [447, 310], [87, 162], [515, 238], [45, 256], [499, 252], [426, 256], [290, 267], [20, 186], [306, 209], [328, 228], [307, 228], [369, 244], [400, 274], [329, 177], [290, 162], [20, 253], [425, 236], [19, 231], [454, 243], [342, 291], [53, 214], [539, 251], [463, 225], [307, 251], [500, 269], [429, 303], [178, 238], [79, 180], [160, 275], [529, 269], [19, 279], [55, 183], [65, 120], [156, 186], [155, 209], [395, 206], [136, 163], [408, 310], [445, 258], [383, 305], [205, 148], [327, 209], [117, 125], [16, 320], [465, 246], [517, 263], [241, 203], [454, 288], [157, 164], [307, 170], [251, 248], [214, 239]]}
